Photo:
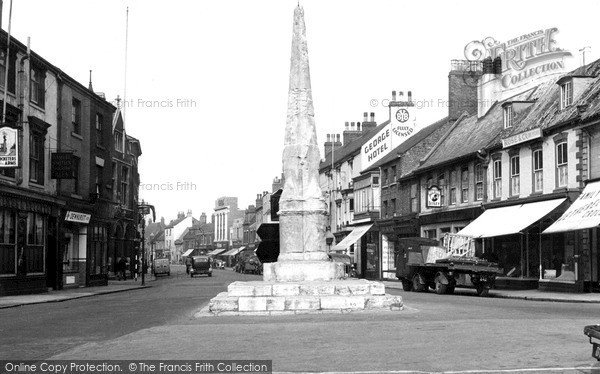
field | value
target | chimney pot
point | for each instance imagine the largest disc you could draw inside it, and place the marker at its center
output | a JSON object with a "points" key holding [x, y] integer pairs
{"points": [[358, 126], [328, 137], [401, 98], [347, 124], [337, 138], [372, 117], [393, 95], [351, 125], [409, 96], [365, 116]]}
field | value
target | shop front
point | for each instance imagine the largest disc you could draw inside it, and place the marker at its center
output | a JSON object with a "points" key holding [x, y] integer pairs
{"points": [[362, 245], [28, 245], [74, 243], [511, 236], [392, 231], [575, 263]]}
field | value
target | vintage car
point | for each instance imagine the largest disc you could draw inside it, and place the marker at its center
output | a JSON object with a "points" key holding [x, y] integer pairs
{"points": [[161, 266], [201, 265]]}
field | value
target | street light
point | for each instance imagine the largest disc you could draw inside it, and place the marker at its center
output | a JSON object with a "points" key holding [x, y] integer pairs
{"points": [[143, 210], [329, 238]]}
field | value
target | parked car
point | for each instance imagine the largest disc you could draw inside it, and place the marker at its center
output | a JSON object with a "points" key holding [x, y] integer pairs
{"points": [[201, 265], [161, 266]]}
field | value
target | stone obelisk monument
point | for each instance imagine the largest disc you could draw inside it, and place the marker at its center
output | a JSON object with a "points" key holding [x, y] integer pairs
{"points": [[303, 280], [302, 208]]}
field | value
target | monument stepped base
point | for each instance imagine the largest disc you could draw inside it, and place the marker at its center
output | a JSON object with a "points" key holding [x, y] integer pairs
{"points": [[288, 298]]}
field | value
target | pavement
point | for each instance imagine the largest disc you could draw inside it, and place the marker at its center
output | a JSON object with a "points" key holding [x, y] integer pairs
{"points": [[131, 285]]}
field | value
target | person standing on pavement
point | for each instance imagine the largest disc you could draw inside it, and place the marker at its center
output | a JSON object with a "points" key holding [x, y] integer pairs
{"points": [[122, 265]]}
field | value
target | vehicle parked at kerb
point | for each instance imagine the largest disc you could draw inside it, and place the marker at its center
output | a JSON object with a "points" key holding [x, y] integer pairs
{"points": [[201, 265]]}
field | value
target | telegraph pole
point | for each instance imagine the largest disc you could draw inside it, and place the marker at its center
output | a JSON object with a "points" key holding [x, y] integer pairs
{"points": [[143, 210]]}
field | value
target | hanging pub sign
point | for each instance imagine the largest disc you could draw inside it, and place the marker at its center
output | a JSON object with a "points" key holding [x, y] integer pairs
{"points": [[9, 147], [62, 166], [434, 197]]}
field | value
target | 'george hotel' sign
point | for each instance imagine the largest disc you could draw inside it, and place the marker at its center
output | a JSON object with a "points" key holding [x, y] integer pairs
{"points": [[521, 137]]}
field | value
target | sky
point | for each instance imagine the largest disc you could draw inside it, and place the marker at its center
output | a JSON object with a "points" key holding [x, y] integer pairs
{"points": [[205, 83]]}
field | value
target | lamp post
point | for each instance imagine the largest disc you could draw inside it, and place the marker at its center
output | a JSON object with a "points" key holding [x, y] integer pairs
{"points": [[329, 238], [143, 210]]}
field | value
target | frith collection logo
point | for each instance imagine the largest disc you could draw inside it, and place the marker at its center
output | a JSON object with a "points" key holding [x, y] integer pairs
{"points": [[524, 58]]}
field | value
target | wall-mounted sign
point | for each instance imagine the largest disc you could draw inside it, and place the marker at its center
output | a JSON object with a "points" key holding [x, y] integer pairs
{"points": [[401, 127], [62, 165], [521, 137], [77, 217], [524, 58], [9, 147], [434, 197]]}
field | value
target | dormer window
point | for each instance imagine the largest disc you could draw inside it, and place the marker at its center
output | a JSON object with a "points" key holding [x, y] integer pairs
{"points": [[508, 116], [566, 94]]}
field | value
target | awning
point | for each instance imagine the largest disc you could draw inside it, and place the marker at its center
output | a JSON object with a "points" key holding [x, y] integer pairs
{"points": [[187, 253], [509, 219], [582, 214], [233, 252], [352, 237], [216, 251]]}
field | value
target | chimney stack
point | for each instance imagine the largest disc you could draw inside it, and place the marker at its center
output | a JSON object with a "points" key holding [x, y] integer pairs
{"points": [[328, 145], [352, 133], [462, 87], [369, 125]]}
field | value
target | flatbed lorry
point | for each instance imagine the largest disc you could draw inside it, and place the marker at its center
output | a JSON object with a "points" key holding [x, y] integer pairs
{"points": [[422, 263]]}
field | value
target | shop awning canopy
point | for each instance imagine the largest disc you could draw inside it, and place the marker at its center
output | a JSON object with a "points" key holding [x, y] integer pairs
{"points": [[584, 213], [233, 252], [509, 219], [216, 251], [352, 237], [187, 253]]}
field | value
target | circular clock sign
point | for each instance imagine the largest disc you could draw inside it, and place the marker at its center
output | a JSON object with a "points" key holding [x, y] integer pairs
{"points": [[402, 115]]}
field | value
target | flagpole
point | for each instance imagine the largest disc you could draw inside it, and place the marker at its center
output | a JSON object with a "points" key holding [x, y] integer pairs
{"points": [[6, 65]]}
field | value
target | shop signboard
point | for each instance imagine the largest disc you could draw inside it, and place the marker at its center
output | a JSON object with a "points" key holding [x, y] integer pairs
{"points": [[9, 147], [401, 127], [522, 137], [62, 165], [434, 197], [77, 217]]}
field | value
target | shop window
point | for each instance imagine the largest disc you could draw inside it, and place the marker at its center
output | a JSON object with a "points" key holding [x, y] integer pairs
{"points": [[515, 179], [464, 184], [479, 175], [76, 115], [453, 186], [37, 94], [497, 179], [34, 251], [7, 242], [71, 252], [561, 164], [538, 170]]}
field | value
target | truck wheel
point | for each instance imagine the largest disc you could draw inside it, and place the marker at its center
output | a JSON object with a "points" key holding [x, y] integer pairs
{"points": [[406, 285], [417, 286], [441, 288], [482, 290], [450, 290]]}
